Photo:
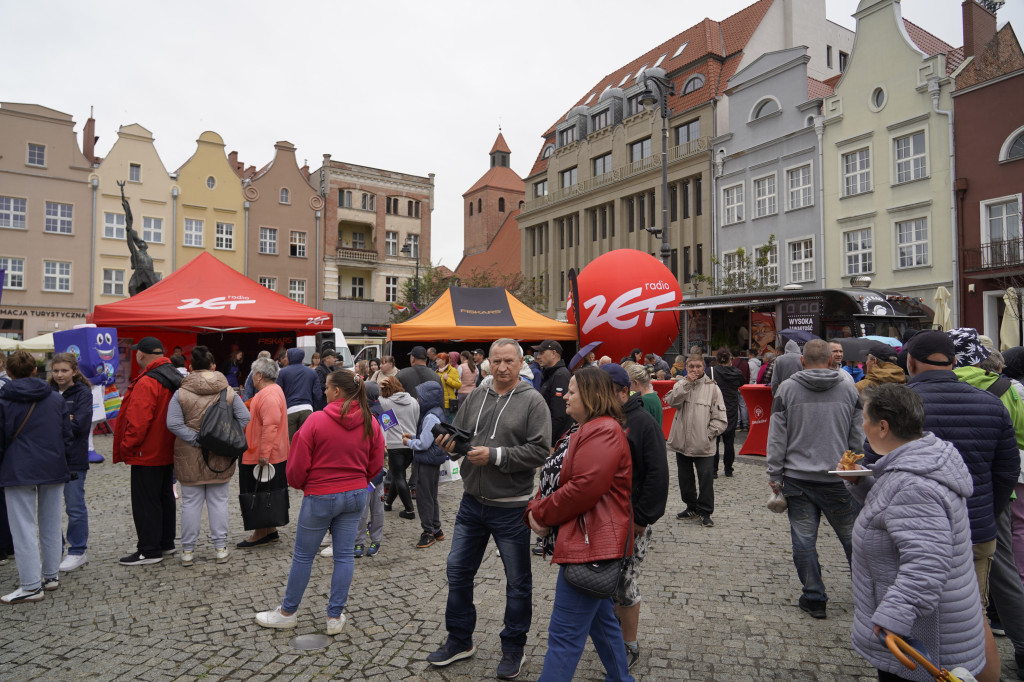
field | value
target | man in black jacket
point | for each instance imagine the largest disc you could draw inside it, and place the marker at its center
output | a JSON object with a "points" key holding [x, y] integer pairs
{"points": [[328, 363], [649, 496], [554, 385]]}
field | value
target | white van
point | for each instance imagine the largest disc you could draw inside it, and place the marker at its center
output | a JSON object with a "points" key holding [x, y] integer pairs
{"points": [[308, 345]]}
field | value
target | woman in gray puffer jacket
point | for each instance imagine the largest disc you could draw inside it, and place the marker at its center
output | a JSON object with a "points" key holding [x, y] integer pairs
{"points": [[913, 566]]}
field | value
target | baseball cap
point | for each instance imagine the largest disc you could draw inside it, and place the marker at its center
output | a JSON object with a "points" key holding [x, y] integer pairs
{"points": [[418, 352], [882, 351], [548, 345], [617, 373], [931, 342], [328, 352], [480, 351], [968, 346], [150, 345]]}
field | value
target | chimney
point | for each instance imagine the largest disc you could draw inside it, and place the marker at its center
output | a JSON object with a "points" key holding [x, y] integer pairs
{"points": [[89, 139], [979, 27]]}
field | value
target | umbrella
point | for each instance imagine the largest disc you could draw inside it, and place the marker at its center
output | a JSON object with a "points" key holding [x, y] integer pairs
{"points": [[1009, 330], [855, 349], [582, 354], [39, 343], [798, 335], [895, 343], [943, 315], [8, 344]]}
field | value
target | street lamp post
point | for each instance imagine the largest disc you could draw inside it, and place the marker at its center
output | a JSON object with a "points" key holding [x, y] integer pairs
{"points": [[649, 99], [407, 250]]}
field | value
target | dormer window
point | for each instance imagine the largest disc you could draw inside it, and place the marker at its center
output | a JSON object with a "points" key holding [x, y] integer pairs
{"points": [[764, 108], [567, 136], [693, 84]]}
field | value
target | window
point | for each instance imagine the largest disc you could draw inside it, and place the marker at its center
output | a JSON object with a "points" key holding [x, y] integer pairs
{"points": [[113, 282], [390, 289], [857, 247], [687, 273], [56, 276], [844, 59], [631, 214], [770, 273], [415, 209], [567, 136], [673, 203], [688, 132], [695, 83], [764, 196], [479, 205], [298, 244], [540, 189], [801, 260], [686, 199], [633, 105], [501, 204], [698, 195], [603, 164], [153, 230], [470, 208], [297, 290], [548, 151], [391, 206], [13, 212], [286, 196], [194, 232], [798, 186], [641, 206], [368, 202], [731, 264], [113, 225], [1003, 232], [601, 120], [764, 108], [390, 243], [732, 203], [911, 160], [878, 98], [211, 182], [640, 150], [912, 243], [856, 172], [568, 177], [409, 206], [344, 198], [413, 242], [828, 56], [36, 154], [268, 240], [225, 236], [1016, 148], [269, 283], [134, 172], [58, 218], [14, 272], [358, 240], [357, 287]]}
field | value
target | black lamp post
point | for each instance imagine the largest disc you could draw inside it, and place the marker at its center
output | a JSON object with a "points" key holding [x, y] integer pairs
{"points": [[649, 99], [407, 250]]}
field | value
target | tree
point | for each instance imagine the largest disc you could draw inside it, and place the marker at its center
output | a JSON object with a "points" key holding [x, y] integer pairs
{"points": [[742, 272], [435, 280]]}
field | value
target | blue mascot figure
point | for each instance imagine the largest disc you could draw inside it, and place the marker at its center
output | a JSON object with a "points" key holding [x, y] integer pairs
{"points": [[98, 360]]}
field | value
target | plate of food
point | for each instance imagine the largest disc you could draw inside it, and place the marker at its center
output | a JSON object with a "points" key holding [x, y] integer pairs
{"points": [[853, 472], [848, 465]]}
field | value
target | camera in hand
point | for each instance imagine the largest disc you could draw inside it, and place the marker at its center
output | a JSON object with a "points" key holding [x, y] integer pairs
{"points": [[461, 437]]}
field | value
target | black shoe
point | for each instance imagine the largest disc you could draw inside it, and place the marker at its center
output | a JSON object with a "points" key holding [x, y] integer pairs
{"points": [[632, 656], [716, 475], [813, 607], [510, 665], [706, 521], [538, 550], [426, 540], [687, 514], [439, 535], [139, 559], [1019, 660], [728, 474], [265, 540], [996, 627], [449, 653], [407, 514], [387, 507]]}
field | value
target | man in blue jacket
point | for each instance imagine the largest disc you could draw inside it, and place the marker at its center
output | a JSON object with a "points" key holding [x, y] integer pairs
{"points": [[301, 388]]}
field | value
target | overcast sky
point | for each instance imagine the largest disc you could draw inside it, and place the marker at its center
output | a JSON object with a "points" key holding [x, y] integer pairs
{"points": [[408, 86]]}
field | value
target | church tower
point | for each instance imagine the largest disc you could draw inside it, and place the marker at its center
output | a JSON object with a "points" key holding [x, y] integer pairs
{"points": [[489, 202]]}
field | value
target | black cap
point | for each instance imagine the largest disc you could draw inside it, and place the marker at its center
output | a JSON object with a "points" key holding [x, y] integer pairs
{"points": [[480, 351], [548, 345], [882, 351], [931, 342], [328, 352], [150, 345], [418, 352], [617, 373]]}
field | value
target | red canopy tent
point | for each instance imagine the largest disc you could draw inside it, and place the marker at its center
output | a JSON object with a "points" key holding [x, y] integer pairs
{"points": [[208, 296]]}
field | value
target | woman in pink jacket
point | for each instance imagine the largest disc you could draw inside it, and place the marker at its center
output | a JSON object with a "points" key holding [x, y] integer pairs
{"points": [[332, 459]]}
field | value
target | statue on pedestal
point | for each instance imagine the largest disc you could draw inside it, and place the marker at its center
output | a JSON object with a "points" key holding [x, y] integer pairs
{"points": [[143, 276]]}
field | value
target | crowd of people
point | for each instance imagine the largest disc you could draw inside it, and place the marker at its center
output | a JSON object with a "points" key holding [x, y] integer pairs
{"points": [[560, 462]]}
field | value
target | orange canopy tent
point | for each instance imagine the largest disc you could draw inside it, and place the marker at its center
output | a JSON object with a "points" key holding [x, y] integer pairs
{"points": [[478, 315]]}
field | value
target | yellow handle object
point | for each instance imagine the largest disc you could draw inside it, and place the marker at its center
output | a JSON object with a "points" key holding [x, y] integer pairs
{"points": [[897, 646]]}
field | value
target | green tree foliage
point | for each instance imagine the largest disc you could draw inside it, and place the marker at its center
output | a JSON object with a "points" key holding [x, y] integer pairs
{"points": [[748, 273]]}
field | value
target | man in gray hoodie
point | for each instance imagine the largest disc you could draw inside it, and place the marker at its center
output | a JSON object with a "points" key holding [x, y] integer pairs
{"points": [[511, 428], [816, 416], [786, 365]]}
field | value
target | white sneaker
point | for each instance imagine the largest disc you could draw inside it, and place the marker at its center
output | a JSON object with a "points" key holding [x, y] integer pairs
{"points": [[275, 619], [222, 555], [20, 596], [72, 561], [186, 557], [329, 551], [334, 625]]}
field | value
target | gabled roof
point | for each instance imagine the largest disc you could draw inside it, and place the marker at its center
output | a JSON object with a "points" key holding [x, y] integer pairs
{"points": [[818, 89], [502, 256], [500, 145], [499, 177], [722, 39], [1001, 56], [831, 82], [933, 45]]}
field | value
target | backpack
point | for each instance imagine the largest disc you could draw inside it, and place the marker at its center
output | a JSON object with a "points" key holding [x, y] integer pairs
{"points": [[434, 455], [221, 434]]}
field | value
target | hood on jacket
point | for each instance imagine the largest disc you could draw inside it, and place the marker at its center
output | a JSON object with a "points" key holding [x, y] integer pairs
{"points": [[931, 458], [403, 398], [526, 373], [295, 356], [887, 372], [635, 402], [431, 395], [26, 390], [817, 379], [372, 391], [792, 348], [204, 382], [352, 420]]}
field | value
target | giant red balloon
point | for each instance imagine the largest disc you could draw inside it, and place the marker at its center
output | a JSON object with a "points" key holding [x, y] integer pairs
{"points": [[617, 291]]}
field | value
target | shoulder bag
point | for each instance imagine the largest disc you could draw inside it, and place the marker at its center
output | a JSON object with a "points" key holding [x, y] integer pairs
{"points": [[599, 579], [264, 508], [221, 434]]}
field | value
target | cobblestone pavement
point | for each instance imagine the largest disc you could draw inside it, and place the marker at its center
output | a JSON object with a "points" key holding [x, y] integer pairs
{"points": [[719, 604]]}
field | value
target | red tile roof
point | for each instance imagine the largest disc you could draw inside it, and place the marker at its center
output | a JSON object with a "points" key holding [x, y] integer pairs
{"points": [[502, 256], [831, 82], [817, 89], [721, 39], [932, 45], [500, 145], [499, 177]]}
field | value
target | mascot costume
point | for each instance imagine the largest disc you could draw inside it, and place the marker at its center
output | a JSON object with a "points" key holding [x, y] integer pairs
{"points": [[97, 353]]}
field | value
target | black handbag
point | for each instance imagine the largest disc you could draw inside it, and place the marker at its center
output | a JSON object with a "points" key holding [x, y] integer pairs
{"points": [[264, 508], [599, 579], [220, 434]]}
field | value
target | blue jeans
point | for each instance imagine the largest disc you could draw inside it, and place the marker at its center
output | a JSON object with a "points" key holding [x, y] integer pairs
{"points": [[807, 501], [474, 524], [340, 513], [574, 615], [78, 518]]}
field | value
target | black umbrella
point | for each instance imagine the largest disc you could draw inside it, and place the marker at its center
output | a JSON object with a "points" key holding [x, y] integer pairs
{"points": [[855, 349], [798, 335]]}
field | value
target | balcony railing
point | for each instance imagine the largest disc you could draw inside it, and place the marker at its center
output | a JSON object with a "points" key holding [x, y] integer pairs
{"points": [[998, 254], [631, 169], [360, 255]]}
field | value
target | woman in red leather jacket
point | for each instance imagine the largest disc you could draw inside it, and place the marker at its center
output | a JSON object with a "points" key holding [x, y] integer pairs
{"points": [[588, 507]]}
